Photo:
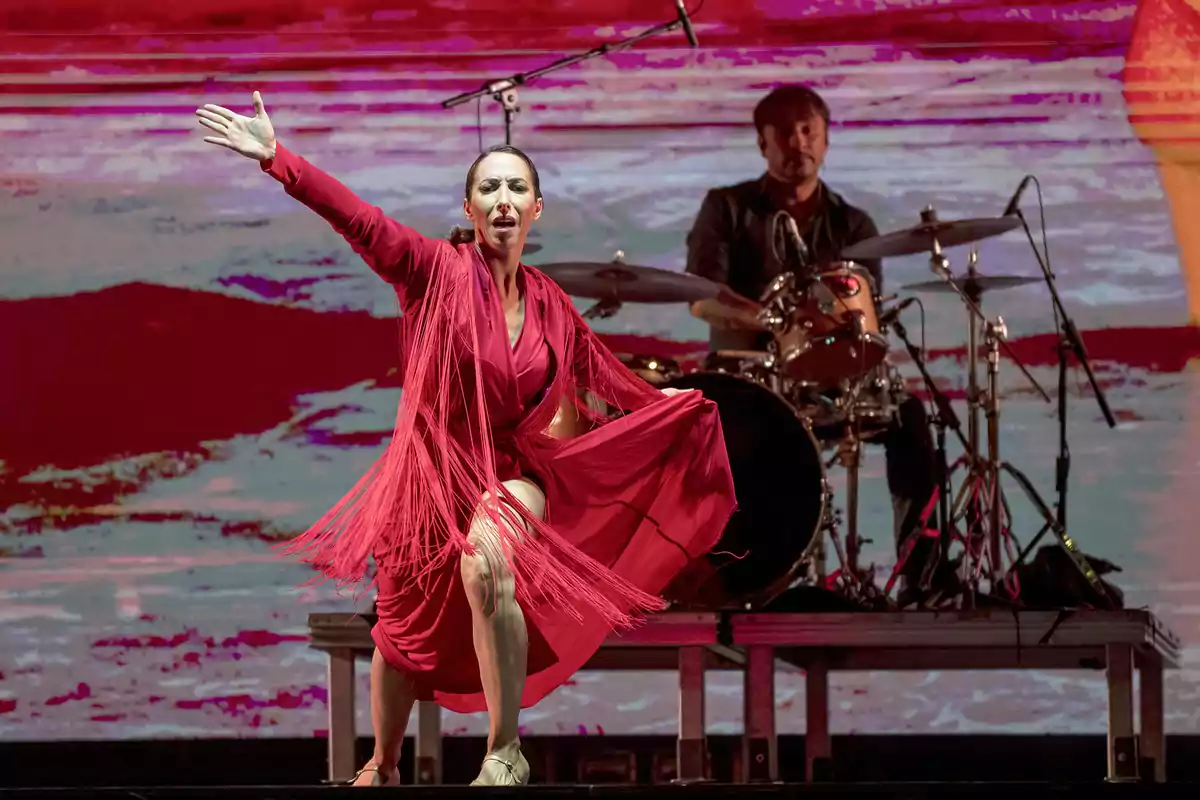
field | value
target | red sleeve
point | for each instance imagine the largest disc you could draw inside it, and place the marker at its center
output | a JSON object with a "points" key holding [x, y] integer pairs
{"points": [[599, 371], [396, 252]]}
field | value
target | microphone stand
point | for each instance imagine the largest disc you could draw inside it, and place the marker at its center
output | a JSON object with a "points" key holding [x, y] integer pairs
{"points": [[1069, 342], [504, 90]]}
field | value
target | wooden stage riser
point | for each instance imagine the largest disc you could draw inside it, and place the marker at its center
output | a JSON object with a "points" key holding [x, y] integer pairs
{"points": [[865, 791], [1132, 647]]}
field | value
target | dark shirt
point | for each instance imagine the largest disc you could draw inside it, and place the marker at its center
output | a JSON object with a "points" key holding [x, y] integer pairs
{"points": [[730, 243]]}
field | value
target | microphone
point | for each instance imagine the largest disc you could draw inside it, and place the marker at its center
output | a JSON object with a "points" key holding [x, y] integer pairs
{"points": [[687, 24], [1015, 202], [826, 299], [801, 249], [893, 313]]}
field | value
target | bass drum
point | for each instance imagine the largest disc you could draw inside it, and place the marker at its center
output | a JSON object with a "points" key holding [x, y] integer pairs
{"points": [[781, 493]]}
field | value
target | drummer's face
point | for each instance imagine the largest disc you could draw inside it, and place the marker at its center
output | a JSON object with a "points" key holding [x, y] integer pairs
{"points": [[503, 202], [795, 152]]}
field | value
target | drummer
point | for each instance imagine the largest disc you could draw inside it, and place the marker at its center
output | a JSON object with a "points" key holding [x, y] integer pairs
{"points": [[731, 244]]}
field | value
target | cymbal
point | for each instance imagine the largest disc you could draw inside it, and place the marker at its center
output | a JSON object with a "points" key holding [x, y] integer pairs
{"points": [[972, 284], [628, 282], [919, 238]]}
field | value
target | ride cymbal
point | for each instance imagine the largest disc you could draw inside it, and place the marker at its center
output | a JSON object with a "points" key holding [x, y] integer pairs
{"points": [[920, 238], [629, 282]]}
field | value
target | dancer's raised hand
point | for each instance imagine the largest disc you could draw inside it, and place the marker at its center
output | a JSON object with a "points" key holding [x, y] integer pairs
{"points": [[253, 137]]}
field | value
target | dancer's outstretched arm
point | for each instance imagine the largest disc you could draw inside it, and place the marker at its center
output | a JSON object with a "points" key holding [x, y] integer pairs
{"points": [[396, 252]]}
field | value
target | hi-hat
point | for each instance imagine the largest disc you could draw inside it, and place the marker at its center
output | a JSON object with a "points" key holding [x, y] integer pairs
{"points": [[972, 284], [628, 282], [920, 238]]}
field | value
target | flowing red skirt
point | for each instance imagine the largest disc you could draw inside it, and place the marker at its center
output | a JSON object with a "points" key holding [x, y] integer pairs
{"points": [[643, 495]]}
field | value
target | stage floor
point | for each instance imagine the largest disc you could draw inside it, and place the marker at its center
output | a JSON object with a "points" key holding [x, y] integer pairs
{"points": [[878, 791]]}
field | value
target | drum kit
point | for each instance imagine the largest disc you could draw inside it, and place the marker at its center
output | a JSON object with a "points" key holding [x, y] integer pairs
{"points": [[822, 388]]}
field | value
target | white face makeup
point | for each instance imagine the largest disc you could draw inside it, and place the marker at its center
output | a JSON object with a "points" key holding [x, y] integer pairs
{"points": [[503, 203]]}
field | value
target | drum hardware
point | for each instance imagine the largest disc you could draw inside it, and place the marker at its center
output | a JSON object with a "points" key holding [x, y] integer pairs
{"points": [[757, 366], [985, 513], [615, 283], [808, 365], [850, 456], [976, 284], [848, 579], [822, 346], [943, 418], [814, 555], [851, 579], [941, 267], [928, 234], [980, 501], [654, 370]]}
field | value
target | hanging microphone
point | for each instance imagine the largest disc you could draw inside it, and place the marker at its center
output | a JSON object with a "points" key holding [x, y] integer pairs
{"points": [[687, 24], [893, 313], [1015, 202]]}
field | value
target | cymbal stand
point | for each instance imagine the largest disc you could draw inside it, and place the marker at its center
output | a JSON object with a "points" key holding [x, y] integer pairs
{"points": [[603, 308], [983, 476], [607, 306], [972, 289], [850, 454], [941, 267]]}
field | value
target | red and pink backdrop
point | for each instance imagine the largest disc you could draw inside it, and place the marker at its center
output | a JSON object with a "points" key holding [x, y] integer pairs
{"points": [[194, 367]]}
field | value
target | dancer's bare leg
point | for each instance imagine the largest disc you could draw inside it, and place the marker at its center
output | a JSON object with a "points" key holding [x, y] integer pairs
{"points": [[501, 639], [392, 699]]}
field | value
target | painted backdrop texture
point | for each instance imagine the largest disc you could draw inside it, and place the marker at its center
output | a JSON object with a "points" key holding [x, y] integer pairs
{"points": [[194, 367]]}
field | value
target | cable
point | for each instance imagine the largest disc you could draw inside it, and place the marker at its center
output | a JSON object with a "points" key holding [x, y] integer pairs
{"points": [[1045, 243], [921, 305]]}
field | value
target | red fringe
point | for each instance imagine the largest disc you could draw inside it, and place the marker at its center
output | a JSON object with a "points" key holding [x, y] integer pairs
{"points": [[412, 510]]}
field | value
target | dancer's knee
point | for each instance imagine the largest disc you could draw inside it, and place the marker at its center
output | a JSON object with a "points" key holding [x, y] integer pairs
{"points": [[485, 573], [480, 580]]}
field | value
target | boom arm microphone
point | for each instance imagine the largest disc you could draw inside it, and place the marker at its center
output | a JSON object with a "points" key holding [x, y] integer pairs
{"points": [[1015, 202], [893, 313], [686, 22]]}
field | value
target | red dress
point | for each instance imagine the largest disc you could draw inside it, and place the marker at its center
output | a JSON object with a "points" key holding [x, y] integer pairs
{"points": [[628, 503]]}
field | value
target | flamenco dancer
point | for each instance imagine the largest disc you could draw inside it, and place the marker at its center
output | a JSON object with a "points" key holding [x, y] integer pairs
{"points": [[488, 527]]}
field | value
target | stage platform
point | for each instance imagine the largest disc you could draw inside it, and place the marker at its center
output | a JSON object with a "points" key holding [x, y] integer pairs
{"points": [[802, 791], [1132, 647]]}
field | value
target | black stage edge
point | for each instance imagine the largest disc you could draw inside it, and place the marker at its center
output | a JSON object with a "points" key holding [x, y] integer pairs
{"points": [[875, 791], [589, 760]]}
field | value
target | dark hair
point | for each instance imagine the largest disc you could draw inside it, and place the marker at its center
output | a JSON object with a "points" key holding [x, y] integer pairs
{"points": [[503, 148], [459, 235], [788, 103]]}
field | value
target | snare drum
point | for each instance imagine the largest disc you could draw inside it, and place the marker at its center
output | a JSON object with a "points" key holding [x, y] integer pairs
{"points": [[756, 366], [828, 332], [871, 402], [654, 370]]}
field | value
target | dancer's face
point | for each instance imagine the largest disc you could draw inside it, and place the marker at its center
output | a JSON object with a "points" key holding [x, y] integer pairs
{"points": [[503, 202]]}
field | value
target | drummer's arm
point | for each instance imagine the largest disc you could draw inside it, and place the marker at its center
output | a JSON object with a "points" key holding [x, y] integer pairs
{"points": [[708, 257]]}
